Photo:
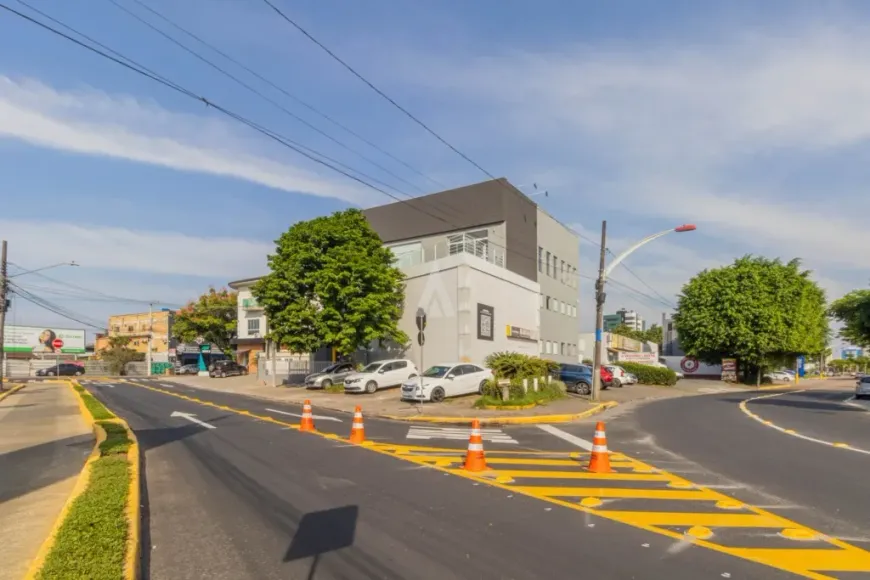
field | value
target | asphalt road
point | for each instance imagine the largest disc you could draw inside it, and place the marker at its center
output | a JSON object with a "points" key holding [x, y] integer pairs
{"points": [[246, 498]]}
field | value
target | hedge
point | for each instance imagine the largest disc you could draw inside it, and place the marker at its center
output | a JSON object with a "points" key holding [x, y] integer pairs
{"points": [[517, 395], [650, 375], [514, 365]]}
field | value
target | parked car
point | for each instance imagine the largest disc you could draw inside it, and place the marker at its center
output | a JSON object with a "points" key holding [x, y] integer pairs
{"points": [[632, 378], [577, 378], [62, 370], [446, 380], [331, 375], [227, 368], [779, 376], [606, 378], [381, 374], [620, 375], [862, 387], [191, 369]]}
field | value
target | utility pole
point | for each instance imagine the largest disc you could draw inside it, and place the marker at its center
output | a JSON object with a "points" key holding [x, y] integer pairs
{"points": [[599, 317], [150, 335], [4, 292]]}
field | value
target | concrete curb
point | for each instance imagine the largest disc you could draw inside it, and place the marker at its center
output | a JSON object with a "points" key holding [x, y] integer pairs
{"points": [[131, 556], [508, 420], [14, 389]]}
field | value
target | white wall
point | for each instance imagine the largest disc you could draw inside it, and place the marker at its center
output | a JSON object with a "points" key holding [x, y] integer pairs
{"points": [[449, 290], [561, 322], [244, 315]]}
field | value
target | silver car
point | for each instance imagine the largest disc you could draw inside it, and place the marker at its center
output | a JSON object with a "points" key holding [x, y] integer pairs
{"points": [[331, 375], [862, 388]]}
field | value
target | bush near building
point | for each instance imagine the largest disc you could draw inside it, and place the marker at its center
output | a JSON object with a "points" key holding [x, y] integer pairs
{"points": [[516, 367], [650, 375]]}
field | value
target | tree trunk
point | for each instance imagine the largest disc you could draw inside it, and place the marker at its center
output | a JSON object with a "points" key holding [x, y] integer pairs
{"points": [[758, 376]]}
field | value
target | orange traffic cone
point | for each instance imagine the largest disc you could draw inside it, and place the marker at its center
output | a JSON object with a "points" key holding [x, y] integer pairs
{"points": [[307, 423], [474, 459], [357, 430], [599, 462]]}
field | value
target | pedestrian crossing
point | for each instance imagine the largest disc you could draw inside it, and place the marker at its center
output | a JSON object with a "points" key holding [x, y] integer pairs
{"points": [[459, 434]]}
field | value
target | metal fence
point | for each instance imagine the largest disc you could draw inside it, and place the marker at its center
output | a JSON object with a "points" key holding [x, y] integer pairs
{"points": [[287, 371], [28, 368]]}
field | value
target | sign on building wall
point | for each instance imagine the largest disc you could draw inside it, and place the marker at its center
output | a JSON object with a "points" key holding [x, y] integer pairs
{"points": [[729, 369], [38, 339], [485, 322], [520, 333], [637, 357], [619, 342]]}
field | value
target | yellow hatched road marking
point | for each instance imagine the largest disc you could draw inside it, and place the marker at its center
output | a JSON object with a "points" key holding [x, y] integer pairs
{"points": [[521, 473], [631, 493], [696, 519], [521, 461], [850, 559]]}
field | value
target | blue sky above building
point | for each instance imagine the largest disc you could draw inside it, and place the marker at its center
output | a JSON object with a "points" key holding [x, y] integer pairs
{"points": [[746, 118]]}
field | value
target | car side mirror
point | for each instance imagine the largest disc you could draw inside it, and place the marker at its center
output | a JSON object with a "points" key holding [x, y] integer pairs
{"points": [[381, 371], [451, 377]]}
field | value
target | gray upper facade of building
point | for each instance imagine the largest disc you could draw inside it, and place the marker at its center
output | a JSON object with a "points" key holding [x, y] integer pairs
{"points": [[498, 223]]}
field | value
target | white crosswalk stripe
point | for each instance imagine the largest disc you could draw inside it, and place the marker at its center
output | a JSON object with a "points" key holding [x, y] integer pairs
{"points": [[459, 434]]}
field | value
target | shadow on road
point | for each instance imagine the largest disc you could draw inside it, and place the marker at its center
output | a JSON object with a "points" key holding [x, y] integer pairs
{"points": [[322, 532], [32, 468]]}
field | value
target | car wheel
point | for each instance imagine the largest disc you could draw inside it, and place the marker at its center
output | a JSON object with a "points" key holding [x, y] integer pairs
{"points": [[437, 395], [617, 383], [582, 389], [481, 387], [371, 387], [223, 375], [326, 383], [50, 373], [79, 373], [244, 371]]}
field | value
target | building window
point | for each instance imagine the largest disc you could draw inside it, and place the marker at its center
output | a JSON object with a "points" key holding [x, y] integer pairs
{"points": [[562, 349], [540, 259], [548, 302], [562, 307], [547, 346], [548, 263], [562, 272], [253, 326]]}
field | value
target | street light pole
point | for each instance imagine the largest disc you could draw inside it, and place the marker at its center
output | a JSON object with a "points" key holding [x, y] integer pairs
{"points": [[4, 286], [603, 273]]}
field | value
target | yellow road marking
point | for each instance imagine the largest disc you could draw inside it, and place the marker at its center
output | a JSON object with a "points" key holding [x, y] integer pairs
{"points": [[838, 556], [522, 473]]}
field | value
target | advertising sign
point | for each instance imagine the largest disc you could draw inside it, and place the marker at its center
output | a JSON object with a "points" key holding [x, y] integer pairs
{"points": [[485, 321], [39, 339], [637, 357], [729, 369]]}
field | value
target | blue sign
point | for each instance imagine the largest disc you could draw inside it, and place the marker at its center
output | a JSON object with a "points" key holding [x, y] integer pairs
{"points": [[801, 361], [598, 334]]}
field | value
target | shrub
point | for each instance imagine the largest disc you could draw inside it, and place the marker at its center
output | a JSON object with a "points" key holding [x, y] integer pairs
{"points": [[514, 365], [650, 375], [588, 361], [518, 396]]}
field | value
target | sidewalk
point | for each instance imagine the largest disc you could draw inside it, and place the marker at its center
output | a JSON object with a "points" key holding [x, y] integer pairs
{"points": [[44, 443], [387, 403]]}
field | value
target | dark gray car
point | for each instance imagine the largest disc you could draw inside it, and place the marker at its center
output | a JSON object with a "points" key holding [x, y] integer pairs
{"points": [[331, 375]]}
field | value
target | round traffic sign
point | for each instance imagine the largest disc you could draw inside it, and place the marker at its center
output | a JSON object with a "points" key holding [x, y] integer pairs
{"points": [[689, 364], [57, 343]]}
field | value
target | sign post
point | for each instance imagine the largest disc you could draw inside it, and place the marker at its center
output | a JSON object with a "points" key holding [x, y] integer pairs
{"points": [[421, 339], [57, 344]]}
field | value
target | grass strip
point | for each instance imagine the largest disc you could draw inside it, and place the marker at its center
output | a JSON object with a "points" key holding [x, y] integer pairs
{"points": [[95, 408], [91, 542], [117, 442]]}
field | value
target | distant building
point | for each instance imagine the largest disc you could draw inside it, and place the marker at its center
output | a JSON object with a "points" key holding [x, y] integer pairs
{"points": [[630, 318], [670, 339], [138, 327], [851, 352]]}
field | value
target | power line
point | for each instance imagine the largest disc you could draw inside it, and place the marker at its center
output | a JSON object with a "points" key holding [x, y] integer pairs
{"points": [[271, 101], [376, 89], [134, 66], [46, 305], [305, 104]]}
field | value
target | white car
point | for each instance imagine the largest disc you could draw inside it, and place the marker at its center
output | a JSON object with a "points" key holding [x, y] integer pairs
{"points": [[779, 376], [447, 380], [381, 374], [620, 375], [862, 388]]}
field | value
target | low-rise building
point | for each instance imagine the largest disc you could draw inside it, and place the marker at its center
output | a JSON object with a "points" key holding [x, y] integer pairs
{"points": [[138, 327], [250, 339]]}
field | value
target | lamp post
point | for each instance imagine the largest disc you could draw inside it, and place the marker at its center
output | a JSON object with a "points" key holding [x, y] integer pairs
{"points": [[603, 273]]}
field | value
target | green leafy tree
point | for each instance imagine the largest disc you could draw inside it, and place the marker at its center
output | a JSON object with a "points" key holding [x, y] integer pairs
{"points": [[332, 284], [213, 316], [118, 354], [760, 311], [853, 311]]}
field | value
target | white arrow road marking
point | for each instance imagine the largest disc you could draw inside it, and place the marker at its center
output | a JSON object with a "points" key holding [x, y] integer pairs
{"points": [[167, 385], [316, 417], [459, 433], [573, 439], [192, 418]]}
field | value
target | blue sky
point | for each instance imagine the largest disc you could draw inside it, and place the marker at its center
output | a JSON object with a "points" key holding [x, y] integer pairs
{"points": [[748, 119]]}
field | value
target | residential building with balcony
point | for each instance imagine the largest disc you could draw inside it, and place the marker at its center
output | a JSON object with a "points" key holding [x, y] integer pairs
{"points": [[138, 327], [250, 339], [491, 269]]}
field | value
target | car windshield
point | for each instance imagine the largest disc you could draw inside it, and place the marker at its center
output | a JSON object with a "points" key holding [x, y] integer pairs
{"points": [[331, 368], [372, 367], [436, 372]]}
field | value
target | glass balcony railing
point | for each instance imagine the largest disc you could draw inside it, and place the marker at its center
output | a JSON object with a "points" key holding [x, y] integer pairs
{"points": [[251, 304], [413, 254]]}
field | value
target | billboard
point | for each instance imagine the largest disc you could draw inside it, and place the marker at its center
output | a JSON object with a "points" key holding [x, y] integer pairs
{"points": [[37, 339], [637, 357]]}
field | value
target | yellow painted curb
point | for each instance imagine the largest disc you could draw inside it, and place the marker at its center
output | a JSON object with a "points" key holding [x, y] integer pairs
{"points": [[14, 389], [131, 557], [509, 420], [509, 407]]}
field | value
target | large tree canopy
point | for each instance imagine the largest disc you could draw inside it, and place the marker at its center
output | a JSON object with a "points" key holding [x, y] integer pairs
{"points": [[853, 311], [332, 284], [213, 316], [758, 310]]}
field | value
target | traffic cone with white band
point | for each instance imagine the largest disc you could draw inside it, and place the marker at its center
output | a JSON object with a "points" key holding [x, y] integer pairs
{"points": [[474, 458], [357, 430], [307, 423], [599, 462]]}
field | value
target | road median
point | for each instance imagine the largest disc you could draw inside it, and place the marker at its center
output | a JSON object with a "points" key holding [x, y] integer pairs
{"points": [[11, 391], [507, 419], [96, 535]]}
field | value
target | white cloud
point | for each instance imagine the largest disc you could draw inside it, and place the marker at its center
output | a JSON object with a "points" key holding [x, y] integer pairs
{"points": [[36, 244], [90, 122]]}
